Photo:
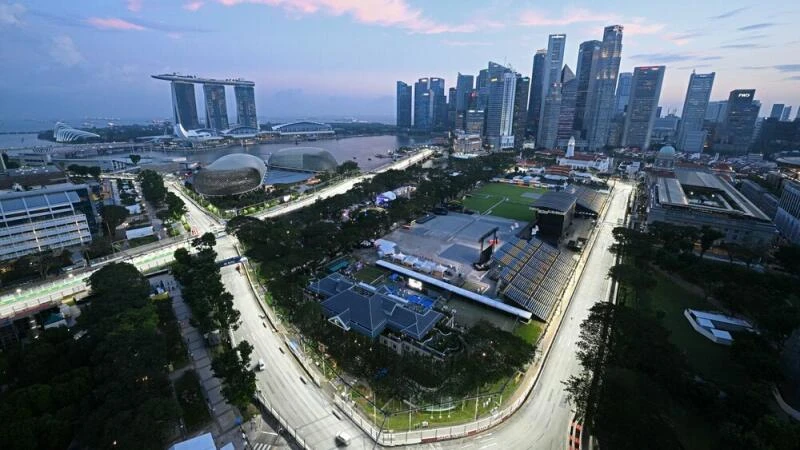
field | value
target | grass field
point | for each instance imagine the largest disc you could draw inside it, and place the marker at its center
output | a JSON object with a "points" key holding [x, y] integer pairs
{"points": [[530, 331], [503, 200], [369, 274]]}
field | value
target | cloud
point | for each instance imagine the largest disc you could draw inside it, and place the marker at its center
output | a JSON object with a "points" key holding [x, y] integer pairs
{"points": [[114, 23], [387, 13], [579, 15], [793, 78], [694, 66], [173, 35], [730, 13], [709, 58], [193, 6], [749, 37], [453, 43], [11, 13], [754, 67], [742, 46], [757, 26], [788, 67], [64, 51], [134, 5], [639, 25], [662, 57]]}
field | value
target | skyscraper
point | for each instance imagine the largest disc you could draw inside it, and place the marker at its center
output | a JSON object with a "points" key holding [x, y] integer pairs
{"points": [[740, 121], [246, 106], [500, 107], [482, 86], [567, 115], [787, 111], [600, 104], [184, 105], [423, 105], [520, 109], [623, 92], [645, 93], [535, 102], [691, 136], [777, 111], [587, 57], [464, 85], [403, 105], [439, 102], [474, 119], [716, 111], [216, 108], [551, 90], [451, 108]]}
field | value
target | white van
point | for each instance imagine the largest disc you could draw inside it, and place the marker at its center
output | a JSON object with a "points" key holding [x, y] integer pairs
{"points": [[343, 439], [261, 364]]}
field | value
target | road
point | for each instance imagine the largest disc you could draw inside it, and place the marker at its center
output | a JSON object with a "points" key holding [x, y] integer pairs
{"points": [[543, 421]]}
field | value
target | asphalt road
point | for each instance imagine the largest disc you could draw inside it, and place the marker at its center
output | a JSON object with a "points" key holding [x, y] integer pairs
{"points": [[543, 421]]}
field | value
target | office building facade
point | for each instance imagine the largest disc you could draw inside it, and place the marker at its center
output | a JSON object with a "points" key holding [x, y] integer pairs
{"points": [[691, 135], [482, 86], [537, 86], [623, 94], [216, 107], [641, 115], [474, 119], [587, 59], [464, 86], [184, 105], [50, 218], [246, 106], [403, 105], [740, 120], [566, 128], [787, 218], [500, 107], [787, 112], [551, 90], [523, 85], [777, 111], [600, 104], [715, 112]]}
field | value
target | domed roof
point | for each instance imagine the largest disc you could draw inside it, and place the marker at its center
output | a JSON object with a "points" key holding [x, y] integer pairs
{"points": [[232, 174], [667, 151], [312, 159]]}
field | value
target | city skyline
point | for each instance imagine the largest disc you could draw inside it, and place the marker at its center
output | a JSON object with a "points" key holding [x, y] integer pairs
{"points": [[68, 62]]}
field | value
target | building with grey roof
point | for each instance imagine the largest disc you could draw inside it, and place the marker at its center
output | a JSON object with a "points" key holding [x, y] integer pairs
{"points": [[54, 217], [554, 213], [370, 311], [698, 198]]}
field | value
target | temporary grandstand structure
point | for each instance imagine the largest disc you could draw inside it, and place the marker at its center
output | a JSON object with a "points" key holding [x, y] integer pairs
{"points": [[533, 274]]}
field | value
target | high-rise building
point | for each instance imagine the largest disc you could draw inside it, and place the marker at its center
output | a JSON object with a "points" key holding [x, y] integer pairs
{"points": [[587, 58], [567, 115], [645, 93], [423, 105], [520, 109], [482, 86], [439, 102], [184, 105], [537, 86], [216, 107], [464, 85], [246, 106], [716, 111], [691, 135], [787, 111], [551, 90], [474, 119], [451, 108], [740, 121], [403, 105], [777, 111], [500, 107], [623, 95], [600, 104], [787, 218]]}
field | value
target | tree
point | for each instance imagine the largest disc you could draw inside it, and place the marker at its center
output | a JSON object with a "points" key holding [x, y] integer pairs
{"points": [[113, 216], [636, 277], [207, 240], [175, 206], [788, 256], [153, 187], [707, 238], [347, 167], [755, 354], [232, 365], [135, 159]]}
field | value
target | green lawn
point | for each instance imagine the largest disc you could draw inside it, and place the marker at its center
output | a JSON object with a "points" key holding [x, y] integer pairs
{"points": [[530, 331], [193, 405], [502, 200], [710, 360], [369, 274]]}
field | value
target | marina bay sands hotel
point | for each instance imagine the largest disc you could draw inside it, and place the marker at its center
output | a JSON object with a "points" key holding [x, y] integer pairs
{"points": [[184, 103]]}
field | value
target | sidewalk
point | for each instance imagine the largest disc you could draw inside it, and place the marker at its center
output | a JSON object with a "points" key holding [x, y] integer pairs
{"points": [[225, 427]]}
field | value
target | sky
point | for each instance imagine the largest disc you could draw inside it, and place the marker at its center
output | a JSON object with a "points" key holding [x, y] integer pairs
{"points": [[327, 58]]}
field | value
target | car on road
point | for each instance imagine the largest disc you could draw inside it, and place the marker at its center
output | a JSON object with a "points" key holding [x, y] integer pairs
{"points": [[342, 439], [303, 380], [261, 366]]}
